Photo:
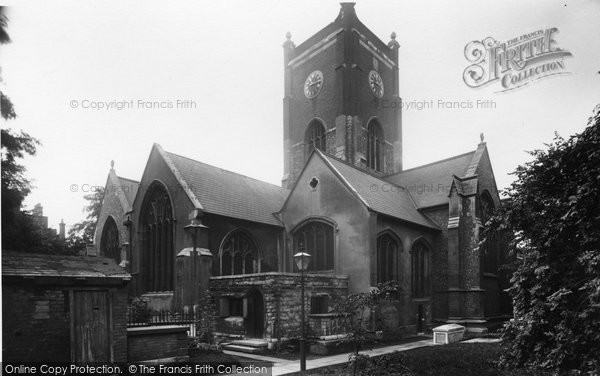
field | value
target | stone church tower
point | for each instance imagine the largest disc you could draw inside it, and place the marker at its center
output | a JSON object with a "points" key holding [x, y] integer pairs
{"points": [[341, 96]]}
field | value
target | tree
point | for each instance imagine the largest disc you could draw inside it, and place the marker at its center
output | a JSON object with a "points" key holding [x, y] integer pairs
{"points": [[554, 214], [82, 233], [6, 107], [357, 312], [19, 231]]}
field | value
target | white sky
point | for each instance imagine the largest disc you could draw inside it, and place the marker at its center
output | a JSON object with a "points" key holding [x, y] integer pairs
{"points": [[227, 57]]}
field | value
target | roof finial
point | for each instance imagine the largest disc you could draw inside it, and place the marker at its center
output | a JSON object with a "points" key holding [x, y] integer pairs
{"points": [[481, 136], [112, 165], [288, 41], [393, 44]]}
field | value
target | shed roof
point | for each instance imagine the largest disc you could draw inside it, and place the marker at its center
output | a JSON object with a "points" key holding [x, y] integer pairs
{"points": [[17, 264]]}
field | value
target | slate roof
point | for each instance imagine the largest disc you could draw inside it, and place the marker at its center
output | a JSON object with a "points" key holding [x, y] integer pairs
{"points": [[129, 187], [230, 194], [379, 195], [429, 184], [16, 264]]}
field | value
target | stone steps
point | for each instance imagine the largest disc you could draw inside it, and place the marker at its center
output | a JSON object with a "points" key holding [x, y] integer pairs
{"points": [[250, 346]]}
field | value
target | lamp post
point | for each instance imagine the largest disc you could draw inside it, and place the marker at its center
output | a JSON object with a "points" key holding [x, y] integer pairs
{"points": [[302, 260], [193, 229]]}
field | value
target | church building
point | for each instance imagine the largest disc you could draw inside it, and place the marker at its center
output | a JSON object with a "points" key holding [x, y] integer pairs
{"points": [[187, 227]]}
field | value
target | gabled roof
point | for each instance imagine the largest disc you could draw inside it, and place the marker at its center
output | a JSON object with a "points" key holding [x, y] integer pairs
{"points": [[124, 188], [15, 264], [377, 194], [430, 184], [129, 188], [230, 194]]}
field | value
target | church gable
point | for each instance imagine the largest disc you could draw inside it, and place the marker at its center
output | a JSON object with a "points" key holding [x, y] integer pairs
{"points": [[429, 185], [110, 233]]}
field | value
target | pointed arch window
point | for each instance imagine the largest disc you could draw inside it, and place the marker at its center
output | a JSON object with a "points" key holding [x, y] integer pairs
{"points": [[489, 250], [375, 145], [239, 254], [420, 269], [388, 249], [158, 255], [109, 242], [315, 137], [316, 238]]}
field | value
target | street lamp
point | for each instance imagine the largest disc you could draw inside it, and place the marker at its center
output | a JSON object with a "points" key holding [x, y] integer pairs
{"points": [[302, 260], [194, 230]]}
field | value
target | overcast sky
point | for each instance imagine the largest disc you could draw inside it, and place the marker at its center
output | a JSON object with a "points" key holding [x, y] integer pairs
{"points": [[227, 58]]}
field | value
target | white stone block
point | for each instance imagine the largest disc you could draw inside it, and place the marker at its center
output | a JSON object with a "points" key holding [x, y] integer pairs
{"points": [[449, 333]]}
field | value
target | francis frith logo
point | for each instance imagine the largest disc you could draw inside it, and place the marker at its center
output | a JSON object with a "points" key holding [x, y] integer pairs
{"points": [[516, 62]]}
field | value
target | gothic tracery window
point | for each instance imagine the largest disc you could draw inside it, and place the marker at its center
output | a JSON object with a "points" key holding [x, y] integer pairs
{"points": [[388, 249], [109, 242], [316, 239], [239, 255], [158, 250], [420, 269], [375, 144], [316, 137]]}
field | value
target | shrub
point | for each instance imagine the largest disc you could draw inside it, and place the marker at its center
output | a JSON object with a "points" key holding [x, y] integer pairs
{"points": [[554, 214]]}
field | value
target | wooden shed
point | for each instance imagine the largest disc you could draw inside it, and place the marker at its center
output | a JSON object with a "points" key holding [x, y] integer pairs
{"points": [[63, 308]]}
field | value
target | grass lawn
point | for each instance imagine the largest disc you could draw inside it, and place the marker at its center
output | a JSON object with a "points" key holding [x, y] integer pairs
{"points": [[458, 359]]}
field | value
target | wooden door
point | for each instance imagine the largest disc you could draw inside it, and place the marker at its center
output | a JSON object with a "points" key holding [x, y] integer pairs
{"points": [[91, 326]]}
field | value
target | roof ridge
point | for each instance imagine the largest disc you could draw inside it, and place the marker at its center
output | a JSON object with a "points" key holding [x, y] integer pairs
{"points": [[361, 170], [432, 163], [223, 169], [131, 180], [344, 179]]}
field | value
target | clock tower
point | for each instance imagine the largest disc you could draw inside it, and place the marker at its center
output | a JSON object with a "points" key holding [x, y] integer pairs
{"points": [[341, 96]]}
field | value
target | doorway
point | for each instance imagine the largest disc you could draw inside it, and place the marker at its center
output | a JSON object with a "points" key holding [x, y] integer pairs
{"points": [[255, 320], [90, 327]]}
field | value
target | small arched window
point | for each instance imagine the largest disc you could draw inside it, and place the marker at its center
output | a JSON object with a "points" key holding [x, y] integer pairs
{"points": [[316, 239], [375, 145], [315, 137], [109, 242], [420, 269], [239, 254], [388, 248]]}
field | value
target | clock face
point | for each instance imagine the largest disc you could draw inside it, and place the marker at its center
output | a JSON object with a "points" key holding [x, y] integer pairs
{"points": [[376, 83], [313, 84]]}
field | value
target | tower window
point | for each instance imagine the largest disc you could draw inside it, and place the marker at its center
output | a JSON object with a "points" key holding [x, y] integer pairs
{"points": [[315, 137], [375, 143]]}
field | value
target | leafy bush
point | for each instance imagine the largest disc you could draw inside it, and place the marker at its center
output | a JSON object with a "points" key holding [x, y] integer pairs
{"points": [[139, 311], [554, 214], [358, 311]]}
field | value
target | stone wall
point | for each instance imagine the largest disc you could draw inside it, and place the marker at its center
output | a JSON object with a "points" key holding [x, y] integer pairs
{"points": [[281, 295], [167, 343]]}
